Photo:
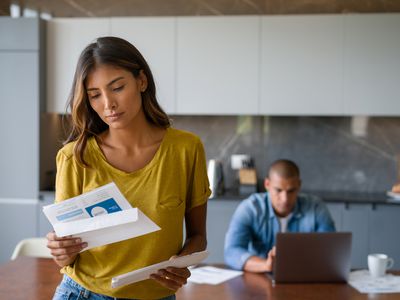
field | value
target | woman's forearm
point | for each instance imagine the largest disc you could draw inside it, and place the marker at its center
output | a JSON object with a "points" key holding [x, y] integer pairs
{"points": [[194, 243]]}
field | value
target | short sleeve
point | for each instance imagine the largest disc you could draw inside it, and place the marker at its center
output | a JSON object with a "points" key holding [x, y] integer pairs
{"points": [[68, 183], [199, 187]]}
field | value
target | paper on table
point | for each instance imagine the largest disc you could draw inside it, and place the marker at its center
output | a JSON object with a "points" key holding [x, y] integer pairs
{"points": [[144, 273], [212, 275], [363, 282], [101, 216]]}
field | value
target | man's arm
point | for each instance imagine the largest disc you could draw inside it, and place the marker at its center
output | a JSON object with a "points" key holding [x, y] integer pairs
{"points": [[238, 238], [324, 221], [260, 265]]}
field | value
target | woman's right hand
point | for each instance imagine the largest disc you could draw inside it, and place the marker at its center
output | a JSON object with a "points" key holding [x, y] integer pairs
{"points": [[64, 249]]}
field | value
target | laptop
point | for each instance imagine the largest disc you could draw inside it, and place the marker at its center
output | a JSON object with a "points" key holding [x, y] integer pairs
{"points": [[312, 257]]}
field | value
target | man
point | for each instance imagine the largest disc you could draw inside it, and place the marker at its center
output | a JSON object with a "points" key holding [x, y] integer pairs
{"points": [[250, 240]]}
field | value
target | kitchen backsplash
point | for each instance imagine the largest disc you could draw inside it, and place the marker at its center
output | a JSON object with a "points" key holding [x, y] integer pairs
{"points": [[334, 153]]}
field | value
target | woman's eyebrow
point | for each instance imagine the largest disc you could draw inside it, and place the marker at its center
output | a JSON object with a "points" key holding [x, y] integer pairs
{"points": [[108, 84]]}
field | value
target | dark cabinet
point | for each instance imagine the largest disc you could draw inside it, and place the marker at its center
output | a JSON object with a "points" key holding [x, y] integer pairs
{"points": [[384, 231], [355, 219], [375, 229]]}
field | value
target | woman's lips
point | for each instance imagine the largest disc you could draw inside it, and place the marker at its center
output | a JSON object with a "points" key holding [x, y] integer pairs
{"points": [[114, 117]]}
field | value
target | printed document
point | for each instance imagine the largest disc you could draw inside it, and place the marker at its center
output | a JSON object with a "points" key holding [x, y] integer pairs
{"points": [[363, 282], [101, 216], [212, 275]]}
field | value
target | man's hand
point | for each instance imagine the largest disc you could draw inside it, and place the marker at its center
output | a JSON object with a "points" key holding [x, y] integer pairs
{"points": [[269, 263], [259, 264]]}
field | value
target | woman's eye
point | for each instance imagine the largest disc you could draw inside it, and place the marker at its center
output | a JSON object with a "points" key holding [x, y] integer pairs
{"points": [[118, 88], [94, 96]]}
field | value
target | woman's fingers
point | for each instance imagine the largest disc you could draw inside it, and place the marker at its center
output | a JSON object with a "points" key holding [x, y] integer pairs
{"points": [[180, 272], [167, 282], [62, 248], [75, 249], [172, 278], [64, 243]]}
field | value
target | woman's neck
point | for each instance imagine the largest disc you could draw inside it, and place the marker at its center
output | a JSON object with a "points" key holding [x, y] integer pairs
{"points": [[139, 134]]}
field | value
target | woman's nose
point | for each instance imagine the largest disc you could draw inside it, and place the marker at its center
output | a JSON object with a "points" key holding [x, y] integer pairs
{"points": [[109, 103]]}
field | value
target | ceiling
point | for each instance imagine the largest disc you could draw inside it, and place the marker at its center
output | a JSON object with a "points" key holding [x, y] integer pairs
{"points": [[107, 8]]}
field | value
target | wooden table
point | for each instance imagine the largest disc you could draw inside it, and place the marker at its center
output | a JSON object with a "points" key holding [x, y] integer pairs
{"points": [[36, 279]]}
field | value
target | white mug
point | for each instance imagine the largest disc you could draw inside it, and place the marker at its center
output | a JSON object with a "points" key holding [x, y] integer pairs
{"points": [[378, 264]]}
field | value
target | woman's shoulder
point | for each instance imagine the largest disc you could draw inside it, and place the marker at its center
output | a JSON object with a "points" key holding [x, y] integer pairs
{"points": [[67, 151], [183, 137]]}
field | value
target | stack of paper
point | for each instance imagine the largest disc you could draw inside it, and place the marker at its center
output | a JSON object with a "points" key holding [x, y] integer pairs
{"points": [[365, 283], [144, 273], [101, 216], [212, 275]]}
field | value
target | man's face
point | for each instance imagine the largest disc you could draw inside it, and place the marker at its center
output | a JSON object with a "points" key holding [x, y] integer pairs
{"points": [[283, 193]]}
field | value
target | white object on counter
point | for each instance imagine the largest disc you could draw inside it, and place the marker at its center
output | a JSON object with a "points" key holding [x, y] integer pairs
{"points": [[393, 196]]}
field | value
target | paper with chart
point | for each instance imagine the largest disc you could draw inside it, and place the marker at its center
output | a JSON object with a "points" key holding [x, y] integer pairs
{"points": [[363, 282], [101, 216]]}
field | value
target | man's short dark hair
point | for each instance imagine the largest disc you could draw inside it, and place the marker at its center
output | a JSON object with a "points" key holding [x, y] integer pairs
{"points": [[284, 168]]}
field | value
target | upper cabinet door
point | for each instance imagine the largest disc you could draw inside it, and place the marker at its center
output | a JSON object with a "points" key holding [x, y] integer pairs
{"points": [[19, 33], [301, 65], [66, 38], [19, 134], [155, 39], [217, 65], [372, 64]]}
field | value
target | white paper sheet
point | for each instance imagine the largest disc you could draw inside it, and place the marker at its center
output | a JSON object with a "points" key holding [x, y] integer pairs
{"points": [[212, 275], [363, 282], [144, 273], [101, 216]]}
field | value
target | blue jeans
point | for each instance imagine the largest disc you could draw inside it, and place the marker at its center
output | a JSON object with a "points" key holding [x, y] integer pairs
{"points": [[70, 290]]}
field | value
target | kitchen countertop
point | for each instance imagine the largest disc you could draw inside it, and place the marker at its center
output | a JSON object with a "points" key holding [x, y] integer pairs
{"points": [[327, 196]]}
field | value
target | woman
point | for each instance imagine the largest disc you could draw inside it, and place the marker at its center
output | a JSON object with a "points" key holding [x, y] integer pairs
{"points": [[121, 134]]}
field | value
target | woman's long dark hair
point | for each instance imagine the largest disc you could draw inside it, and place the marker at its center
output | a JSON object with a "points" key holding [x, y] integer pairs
{"points": [[85, 121]]}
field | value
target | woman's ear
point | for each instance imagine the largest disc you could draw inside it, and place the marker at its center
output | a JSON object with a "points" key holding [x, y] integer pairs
{"points": [[142, 78]]}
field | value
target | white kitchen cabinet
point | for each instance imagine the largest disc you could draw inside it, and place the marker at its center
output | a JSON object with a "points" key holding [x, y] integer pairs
{"points": [[66, 38], [319, 65], [20, 99], [155, 39], [301, 65], [372, 64], [44, 225], [217, 65], [19, 96], [18, 221]]}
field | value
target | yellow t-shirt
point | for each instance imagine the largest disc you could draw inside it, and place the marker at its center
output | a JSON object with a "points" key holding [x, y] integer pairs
{"points": [[172, 183]]}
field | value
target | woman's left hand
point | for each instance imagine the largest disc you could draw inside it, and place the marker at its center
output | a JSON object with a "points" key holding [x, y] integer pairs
{"points": [[172, 278]]}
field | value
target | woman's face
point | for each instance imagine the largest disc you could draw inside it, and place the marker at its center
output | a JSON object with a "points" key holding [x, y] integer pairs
{"points": [[115, 95]]}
